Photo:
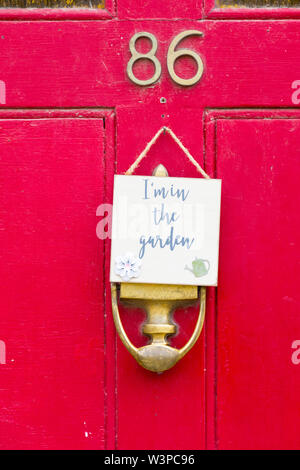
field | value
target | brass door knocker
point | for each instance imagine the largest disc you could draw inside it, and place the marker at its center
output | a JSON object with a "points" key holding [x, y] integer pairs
{"points": [[159, 301]]}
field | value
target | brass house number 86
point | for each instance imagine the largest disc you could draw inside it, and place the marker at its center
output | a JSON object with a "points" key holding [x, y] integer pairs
{"points": [[172, 56]]}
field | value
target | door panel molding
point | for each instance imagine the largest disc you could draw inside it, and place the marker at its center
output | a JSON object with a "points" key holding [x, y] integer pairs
{"points": [[13, 12], [280, 364], [60, 354], [213, 10]]}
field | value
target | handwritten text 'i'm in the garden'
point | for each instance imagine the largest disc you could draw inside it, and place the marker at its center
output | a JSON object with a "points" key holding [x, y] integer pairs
{"points": [[163, 216]]}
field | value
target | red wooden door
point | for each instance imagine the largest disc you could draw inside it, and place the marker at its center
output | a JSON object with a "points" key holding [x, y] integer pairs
{"points": [[69, 119]]}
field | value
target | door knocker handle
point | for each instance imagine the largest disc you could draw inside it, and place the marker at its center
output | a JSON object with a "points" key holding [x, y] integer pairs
{"points": [[159, 301]]}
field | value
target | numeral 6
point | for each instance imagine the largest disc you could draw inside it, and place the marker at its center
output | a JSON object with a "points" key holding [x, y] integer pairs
{"points": [[172, 56]]}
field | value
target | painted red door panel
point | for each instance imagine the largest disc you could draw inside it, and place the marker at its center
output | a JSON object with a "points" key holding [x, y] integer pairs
{"points": [[158, 9], [67, 382], [171, 404], [257, 318], [53, 383], [246, 63]]}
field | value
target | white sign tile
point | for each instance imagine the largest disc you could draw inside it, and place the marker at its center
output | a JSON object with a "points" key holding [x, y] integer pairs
{"points": [[165, 230]]}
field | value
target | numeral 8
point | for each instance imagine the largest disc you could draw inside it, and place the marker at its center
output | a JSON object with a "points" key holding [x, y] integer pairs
{"points": [[149, 55]]}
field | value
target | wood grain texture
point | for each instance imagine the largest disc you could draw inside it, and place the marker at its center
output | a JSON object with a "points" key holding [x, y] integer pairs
{"points": [[66, 383], [248, 9], [254, 64], [160, 9], [53, 384], [165, 411], [57, 9], [52, 4], [258, 3], [256, 315]]}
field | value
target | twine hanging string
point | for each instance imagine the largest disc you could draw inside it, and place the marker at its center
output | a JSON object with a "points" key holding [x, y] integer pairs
{"points": [[164, 129]]}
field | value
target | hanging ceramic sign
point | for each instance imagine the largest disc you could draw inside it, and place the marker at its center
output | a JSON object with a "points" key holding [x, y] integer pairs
{"points": [[165, 230]]}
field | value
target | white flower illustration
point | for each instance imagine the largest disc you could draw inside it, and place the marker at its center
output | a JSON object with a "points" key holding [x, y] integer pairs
{"points": [[127, 266]]}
